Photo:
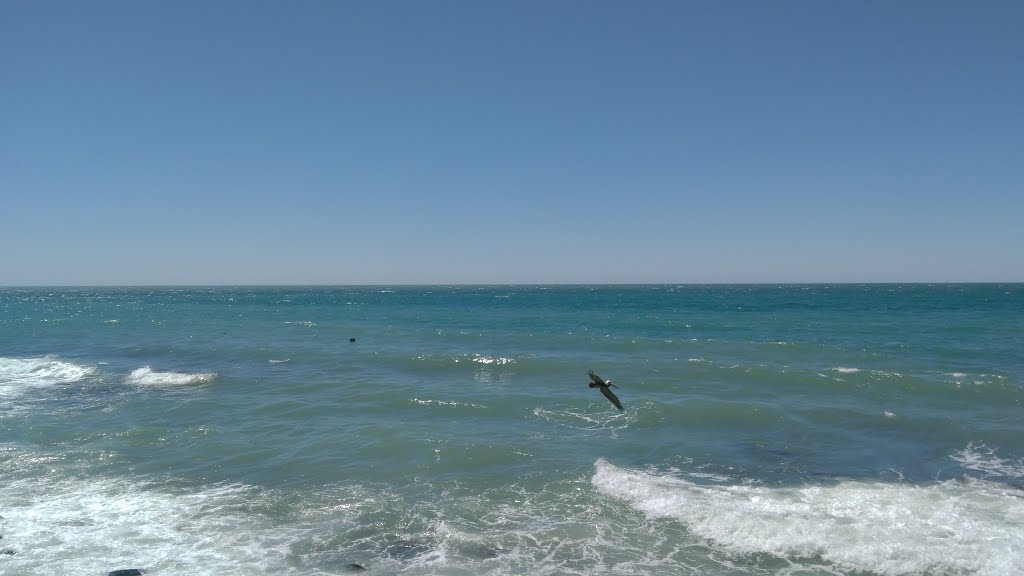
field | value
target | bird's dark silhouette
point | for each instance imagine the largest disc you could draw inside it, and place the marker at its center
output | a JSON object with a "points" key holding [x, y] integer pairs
{"points": [[597, 382]]}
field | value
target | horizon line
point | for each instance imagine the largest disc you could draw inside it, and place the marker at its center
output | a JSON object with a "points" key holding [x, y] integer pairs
{"points": [[512, 284]]}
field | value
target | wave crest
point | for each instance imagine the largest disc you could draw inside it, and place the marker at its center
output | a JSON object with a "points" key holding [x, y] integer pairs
{"points": [[953, 527], [20, 374], [46, 370], [146, 376]]}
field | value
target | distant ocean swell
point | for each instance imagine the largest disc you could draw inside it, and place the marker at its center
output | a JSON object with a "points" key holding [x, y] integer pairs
{"points": [[871, 394]]}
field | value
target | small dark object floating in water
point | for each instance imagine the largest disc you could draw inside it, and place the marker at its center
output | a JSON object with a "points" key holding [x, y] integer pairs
{"points": [[597, 382], [351, 339], [127, 572]]}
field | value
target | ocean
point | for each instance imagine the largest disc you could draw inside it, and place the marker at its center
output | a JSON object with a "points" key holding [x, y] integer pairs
{"points": [[449, 430]]}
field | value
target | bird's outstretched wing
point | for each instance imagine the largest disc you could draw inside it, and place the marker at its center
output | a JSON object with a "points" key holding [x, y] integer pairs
{"points": [[611, 396]]}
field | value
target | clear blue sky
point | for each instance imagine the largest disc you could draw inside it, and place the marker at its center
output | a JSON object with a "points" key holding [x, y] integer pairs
{"points": [[356, 142]]}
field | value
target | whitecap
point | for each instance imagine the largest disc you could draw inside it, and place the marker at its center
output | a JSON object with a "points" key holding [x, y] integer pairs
{"points": [[146, 376], [951, 527], [843, 370], [20, 374], [445, 403], [45, 370], [884, 374], [488, 360]]}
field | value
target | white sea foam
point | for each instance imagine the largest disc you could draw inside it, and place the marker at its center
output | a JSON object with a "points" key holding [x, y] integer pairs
{"points": [[95, 526], [17, 375], [707, 476], [961, 378], [146, 376], [884, 374], [953, 527], [476, 357], [486, 373], [46, 369], [843, 370], [445, 403], [586, 420], [980, 458], [489, 360]]}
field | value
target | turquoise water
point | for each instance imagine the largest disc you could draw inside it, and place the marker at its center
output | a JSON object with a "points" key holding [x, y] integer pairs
{"points": [[799, 430]]}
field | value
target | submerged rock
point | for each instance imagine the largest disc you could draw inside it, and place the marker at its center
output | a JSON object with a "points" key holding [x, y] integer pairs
{"points": [[8, 551], [354, 567]]}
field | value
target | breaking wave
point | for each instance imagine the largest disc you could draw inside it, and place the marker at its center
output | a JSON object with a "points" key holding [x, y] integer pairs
{"points": [[952, 527], [146, 376], [17, 375]]}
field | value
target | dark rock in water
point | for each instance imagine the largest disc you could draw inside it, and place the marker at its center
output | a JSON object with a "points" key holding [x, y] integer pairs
{"points": [[354, 567], [127, 572], [8, 551], [405, 549]]}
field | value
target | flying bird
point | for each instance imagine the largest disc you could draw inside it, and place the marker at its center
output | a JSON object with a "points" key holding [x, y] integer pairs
{"points": [[597, 382]]}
